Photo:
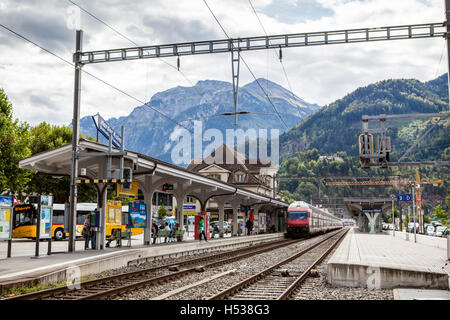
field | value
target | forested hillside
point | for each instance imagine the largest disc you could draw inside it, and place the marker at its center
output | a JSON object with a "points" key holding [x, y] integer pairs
{"points": [[335, 127]]}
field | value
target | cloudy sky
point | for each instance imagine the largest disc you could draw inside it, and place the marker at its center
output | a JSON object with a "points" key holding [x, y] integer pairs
{"points": [[41, 86]]}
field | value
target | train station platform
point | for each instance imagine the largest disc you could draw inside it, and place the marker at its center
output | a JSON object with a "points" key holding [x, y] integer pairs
{"points": [[24, 270], [382, 261]]}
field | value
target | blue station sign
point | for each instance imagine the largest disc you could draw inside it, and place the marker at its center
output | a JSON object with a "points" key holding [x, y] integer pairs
{"points": [[404, 197], [106, 130]]}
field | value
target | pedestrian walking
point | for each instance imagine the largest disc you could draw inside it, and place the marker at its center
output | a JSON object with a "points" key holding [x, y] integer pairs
{"points": [[201, 229]]}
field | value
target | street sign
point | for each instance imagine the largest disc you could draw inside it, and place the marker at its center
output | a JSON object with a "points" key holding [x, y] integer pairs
{"points": [[404, 197], [167, 187]]}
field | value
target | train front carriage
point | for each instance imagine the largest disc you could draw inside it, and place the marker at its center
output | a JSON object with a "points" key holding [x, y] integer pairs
{"points": [[298, 219]]}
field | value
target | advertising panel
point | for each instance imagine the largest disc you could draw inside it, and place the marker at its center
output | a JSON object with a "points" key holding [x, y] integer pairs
{"points": [[138, 215], [6, 201], [5, 223]]}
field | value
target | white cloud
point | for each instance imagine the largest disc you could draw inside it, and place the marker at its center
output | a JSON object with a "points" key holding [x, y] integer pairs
{"points": [[41, 87]]}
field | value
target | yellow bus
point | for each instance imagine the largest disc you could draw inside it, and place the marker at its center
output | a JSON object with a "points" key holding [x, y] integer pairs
{"points": [[25, 217]]}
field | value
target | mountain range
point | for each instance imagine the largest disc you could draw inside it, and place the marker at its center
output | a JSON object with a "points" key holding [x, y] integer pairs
{"points": [[148, 132]]}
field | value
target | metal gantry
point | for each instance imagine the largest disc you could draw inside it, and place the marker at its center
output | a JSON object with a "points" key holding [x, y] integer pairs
{"points": [[414, 31]]}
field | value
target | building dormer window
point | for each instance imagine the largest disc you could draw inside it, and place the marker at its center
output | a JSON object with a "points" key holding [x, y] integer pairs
{"points": [[240, 177], [214, 176]]}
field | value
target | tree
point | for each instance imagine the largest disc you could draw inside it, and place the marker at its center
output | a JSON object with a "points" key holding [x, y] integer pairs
{"points": [[162, 213], [440, 213], [45, 137], [14, 142]]}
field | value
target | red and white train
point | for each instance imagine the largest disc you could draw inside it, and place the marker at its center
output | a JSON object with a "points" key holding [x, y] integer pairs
{"points": [[305, 219]]}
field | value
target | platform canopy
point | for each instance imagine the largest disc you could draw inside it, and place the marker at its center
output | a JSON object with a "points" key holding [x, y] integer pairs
{"points": [[367, 209], [150, 172], [356, 205]]}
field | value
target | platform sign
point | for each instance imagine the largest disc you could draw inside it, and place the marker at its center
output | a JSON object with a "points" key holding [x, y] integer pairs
{"points": [[371, 210], [404, 197], [138, 215], [106, 130], [189, 210], [46, 222], [5, 223]]}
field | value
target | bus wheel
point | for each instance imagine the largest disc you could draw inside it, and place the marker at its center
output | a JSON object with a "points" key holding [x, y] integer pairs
{"points": [[59, 234]]}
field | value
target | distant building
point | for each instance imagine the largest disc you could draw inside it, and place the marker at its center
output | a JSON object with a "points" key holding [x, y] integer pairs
{"points": [[331, 158], [230, 166]]}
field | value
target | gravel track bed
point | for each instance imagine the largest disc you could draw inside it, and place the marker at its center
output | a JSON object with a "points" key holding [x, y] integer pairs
{"points": [[244, 269], [157, 263], [318, 289]]}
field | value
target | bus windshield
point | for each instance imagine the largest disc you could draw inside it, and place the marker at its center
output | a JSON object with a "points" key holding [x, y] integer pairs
{"points": [[298, 215]]}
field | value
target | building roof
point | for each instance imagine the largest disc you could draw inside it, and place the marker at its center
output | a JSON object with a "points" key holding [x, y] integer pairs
{"points": [[234, 162]]}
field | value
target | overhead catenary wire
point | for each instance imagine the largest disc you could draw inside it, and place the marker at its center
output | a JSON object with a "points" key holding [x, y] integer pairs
{"points": [[175, 67], [278, 56], [246, 65], [229, 114], [90, 74]]}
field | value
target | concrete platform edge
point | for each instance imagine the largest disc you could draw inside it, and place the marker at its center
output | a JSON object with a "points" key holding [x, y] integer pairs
{"points": [[379, 277], [127, 258]]}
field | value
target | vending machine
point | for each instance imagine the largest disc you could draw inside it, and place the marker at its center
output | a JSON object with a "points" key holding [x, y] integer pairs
{"points": [[206, 218]]}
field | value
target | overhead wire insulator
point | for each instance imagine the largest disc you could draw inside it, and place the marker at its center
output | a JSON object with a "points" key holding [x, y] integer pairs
{"points": [[178, 63], [281, 55]]}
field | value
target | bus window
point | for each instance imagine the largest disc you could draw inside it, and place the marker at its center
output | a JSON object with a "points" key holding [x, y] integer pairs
{"points": [[58, 217], [24, 215]]}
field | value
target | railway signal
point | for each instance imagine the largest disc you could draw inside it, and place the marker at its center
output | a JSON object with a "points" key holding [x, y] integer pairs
{"points": [[375, 145]]}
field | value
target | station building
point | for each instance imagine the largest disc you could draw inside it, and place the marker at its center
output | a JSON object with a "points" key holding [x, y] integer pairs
{"points": [[229, 165]]}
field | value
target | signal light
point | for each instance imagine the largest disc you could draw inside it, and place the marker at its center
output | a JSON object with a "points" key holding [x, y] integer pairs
{"points": [[128, 176]]}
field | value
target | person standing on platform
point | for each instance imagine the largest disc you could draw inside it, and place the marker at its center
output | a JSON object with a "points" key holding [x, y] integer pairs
{"points": [[201, 229], [215, 230], [166, 228], [249, 226], [86, 232], [94, 230], [154, 231]]}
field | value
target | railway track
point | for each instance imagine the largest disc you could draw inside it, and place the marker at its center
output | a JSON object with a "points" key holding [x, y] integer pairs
{"points": [[116, 284], [279, 281]]}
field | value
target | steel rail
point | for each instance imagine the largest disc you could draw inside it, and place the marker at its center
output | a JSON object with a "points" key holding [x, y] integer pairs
{"points": [[175, 275], [244, 283], [287, 293], [53, 292]]}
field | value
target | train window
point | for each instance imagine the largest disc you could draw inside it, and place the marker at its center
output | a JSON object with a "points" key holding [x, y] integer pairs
{"points": [[298, 215]]}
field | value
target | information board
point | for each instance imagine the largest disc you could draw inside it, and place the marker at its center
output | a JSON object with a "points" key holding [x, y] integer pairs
{"points": [[5, 223], [138, 215], [46, 223]]}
